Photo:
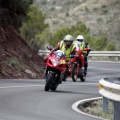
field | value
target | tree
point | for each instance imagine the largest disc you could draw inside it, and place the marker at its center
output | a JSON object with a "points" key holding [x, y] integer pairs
{"points": [[100, 43], [80, 29], [34, 25], [74, 30], [110, 47], [42, 39], [17, 10]]}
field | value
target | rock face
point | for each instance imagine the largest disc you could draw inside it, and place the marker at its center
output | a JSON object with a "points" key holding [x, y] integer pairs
{"points": [[15, 54]]}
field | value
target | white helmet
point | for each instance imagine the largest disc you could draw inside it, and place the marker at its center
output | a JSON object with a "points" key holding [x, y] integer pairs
{"points": [[80, 38]]}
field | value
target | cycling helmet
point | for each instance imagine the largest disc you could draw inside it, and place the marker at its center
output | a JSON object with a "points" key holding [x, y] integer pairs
{"points": [[68, 40], [80, 38]]}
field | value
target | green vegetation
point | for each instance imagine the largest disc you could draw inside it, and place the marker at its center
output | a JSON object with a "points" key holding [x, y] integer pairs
{"points": [[96, 43], [110, 47], [18, 10], [13, 62], [51, 20], [73, 30], [102, 18], [38, 33], [33, 26]]}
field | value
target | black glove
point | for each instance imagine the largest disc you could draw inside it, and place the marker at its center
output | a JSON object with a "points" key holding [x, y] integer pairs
{"points": [[51, 52], [89, 50]]}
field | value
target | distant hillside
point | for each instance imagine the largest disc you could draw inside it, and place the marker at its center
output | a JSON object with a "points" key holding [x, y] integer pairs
{"points": [[101, 16]]}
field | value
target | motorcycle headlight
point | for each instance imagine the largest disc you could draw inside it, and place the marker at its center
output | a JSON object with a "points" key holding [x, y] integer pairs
{"points": [[55, 62]]}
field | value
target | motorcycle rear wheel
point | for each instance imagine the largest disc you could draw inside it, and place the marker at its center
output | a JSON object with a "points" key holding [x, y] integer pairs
{"points": [[74, 75], [50, 77], [82, 76]]}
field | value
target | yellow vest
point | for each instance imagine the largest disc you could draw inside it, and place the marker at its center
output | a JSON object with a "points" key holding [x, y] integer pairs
{"points": [[79, 46], [67, 51]]}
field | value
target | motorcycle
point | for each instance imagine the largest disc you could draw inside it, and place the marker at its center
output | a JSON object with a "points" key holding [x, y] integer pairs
{"points": [[77, 72], [55, 65]]}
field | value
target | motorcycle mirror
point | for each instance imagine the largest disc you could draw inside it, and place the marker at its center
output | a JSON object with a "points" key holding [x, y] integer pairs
{"points": [[86, 43], [49, 48]]}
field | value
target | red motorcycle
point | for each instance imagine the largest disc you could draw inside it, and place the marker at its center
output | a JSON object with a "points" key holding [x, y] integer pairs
{"points": [[77, 65], [55, 65]]}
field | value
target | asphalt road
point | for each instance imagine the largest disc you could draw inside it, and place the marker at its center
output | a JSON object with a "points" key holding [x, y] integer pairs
{"points": [[27, 100]]}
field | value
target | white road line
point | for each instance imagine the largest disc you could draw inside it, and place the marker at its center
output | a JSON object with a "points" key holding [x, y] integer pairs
{"points": [[72, 84], [104, 69], [77, 84], [22, 86], [75, 107]]}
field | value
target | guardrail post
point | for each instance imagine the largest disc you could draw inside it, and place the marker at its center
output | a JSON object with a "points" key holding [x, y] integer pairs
{"points": [[105, 104], [116, 110], [118, 58]]}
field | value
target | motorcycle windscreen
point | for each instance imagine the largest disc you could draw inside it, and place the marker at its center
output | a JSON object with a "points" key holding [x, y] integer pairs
{"points": [[59, 54]]}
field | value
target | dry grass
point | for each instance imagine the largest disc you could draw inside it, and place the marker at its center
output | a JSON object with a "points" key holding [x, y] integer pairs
{"points": [[95, 108]]}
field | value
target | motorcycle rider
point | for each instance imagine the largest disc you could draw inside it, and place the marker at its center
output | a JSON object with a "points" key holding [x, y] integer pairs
{"points": [[80, 45], [66, 46]]}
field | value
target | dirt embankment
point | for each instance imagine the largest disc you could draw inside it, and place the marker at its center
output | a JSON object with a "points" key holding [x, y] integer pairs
{"points": [[17, 59]]}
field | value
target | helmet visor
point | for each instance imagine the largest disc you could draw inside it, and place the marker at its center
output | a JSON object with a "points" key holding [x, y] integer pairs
{"points": [[68, 42], [80, 40]]}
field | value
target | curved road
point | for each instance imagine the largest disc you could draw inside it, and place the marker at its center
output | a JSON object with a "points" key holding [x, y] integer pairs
{"points": [[27, 100]]}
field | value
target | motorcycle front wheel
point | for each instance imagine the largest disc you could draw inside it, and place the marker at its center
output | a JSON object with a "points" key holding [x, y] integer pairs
{"points": [[49, 80], [74, 75], [54, 87]]}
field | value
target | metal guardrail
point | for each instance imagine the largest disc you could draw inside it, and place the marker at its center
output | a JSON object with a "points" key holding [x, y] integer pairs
{"points": [[104, 53], [110, 90], [92, 53], [111, 55], [43, 52]]}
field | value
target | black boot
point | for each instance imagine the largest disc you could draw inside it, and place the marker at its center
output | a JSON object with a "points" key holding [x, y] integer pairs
{"points": [[63, 77], [85, 68], [85, 71]]}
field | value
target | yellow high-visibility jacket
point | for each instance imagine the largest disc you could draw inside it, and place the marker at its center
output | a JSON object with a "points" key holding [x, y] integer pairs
{"points": [[66, 50], [79, 46]]}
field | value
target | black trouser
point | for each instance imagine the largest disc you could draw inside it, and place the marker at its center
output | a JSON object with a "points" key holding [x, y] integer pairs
{"points": [[85, 64]]}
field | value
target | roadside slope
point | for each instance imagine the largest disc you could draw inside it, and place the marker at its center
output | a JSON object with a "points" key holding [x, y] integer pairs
{"points": [[17, 59]]}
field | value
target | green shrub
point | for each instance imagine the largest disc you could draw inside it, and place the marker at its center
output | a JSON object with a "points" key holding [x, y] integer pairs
{"points": [[12, 61], [110, 47]]}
